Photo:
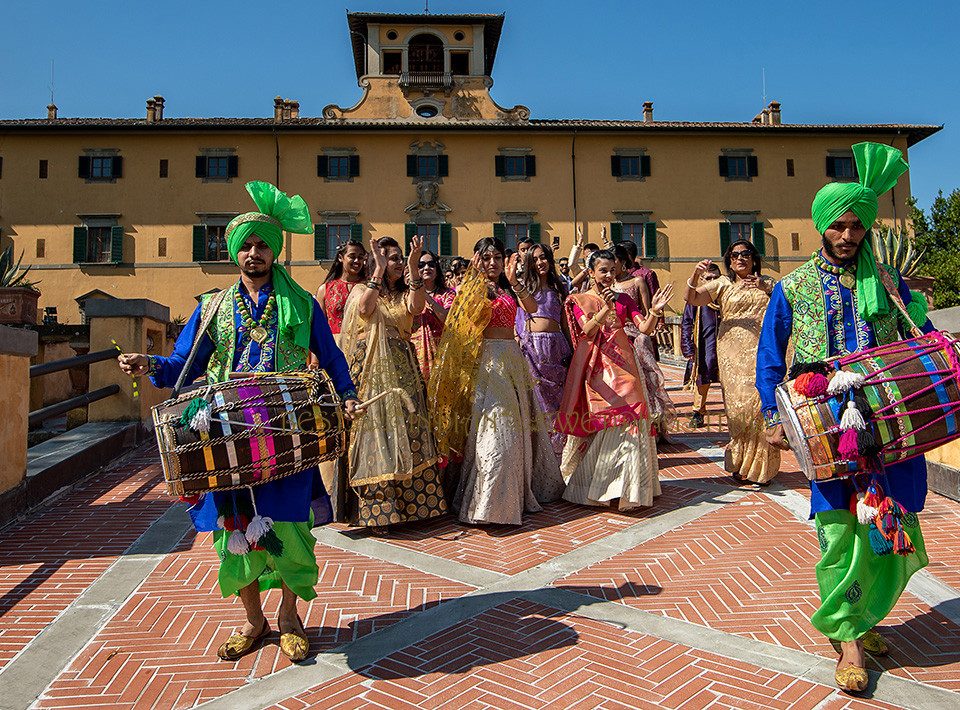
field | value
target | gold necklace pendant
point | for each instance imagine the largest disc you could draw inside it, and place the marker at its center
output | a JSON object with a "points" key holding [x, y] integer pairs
{"points": [[848, 279], [259, 334]]}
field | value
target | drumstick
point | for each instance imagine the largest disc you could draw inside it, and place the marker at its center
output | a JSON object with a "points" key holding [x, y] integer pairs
{"points": [[407, 400], [133, 379]]}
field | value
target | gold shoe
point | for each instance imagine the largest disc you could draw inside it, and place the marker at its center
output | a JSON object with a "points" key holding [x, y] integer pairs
{"points": [[239, 645], [294, 646], [852, 679], [874, 643]]}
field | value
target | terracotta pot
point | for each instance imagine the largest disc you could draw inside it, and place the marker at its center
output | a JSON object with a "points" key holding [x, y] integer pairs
{"points": [[18, 306]]}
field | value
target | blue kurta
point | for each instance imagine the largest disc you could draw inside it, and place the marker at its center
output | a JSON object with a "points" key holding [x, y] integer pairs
{"points": [[846, 332], [287, 499]]}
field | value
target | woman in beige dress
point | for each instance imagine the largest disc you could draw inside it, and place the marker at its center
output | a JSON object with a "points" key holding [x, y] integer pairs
{"points": [[742, 296]]}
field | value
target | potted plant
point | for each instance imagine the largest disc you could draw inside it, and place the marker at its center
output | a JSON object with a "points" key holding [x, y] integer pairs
{"points": [[18, 296], [896, 248]]}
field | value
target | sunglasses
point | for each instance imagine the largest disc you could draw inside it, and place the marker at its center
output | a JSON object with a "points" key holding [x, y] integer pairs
{"points": [[425, 264], [741, 254]]}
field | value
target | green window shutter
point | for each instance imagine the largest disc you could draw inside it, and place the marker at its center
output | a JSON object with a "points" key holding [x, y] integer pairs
{"points": [[321, 166], [499, 169], [409, 232], [534, 232], [724, 237], [79, 245], [616, 232], [650, 240], [644, 166], [724, 169], [831, 167], [411, 166], [759, 238], [446, 239], [615, 165], [752, 166], [500, 231], [199, 242], [117, 166], [83, 167], [531, 166], [116, 244], [354, 166], [443, 165], [233, 166], [356, 232], [201, 166], [320, 250]]}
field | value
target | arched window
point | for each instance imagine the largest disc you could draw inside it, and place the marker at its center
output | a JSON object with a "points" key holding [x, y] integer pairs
{"points": [[425, 54]]}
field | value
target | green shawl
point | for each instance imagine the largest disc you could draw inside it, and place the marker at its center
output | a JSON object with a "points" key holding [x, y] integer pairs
{"points": [[879, 167], [276, 213]]}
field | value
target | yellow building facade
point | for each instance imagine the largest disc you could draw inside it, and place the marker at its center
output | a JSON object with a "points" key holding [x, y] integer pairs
{"points": [[135, 208]]}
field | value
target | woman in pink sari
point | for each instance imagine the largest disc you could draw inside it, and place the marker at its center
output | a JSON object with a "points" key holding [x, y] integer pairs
{"points": [[428, 326], [610, 452]]}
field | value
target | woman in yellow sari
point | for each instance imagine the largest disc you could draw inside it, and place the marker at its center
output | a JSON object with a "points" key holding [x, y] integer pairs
{"points": [[393, 472], [611, 453], [742, 296]]}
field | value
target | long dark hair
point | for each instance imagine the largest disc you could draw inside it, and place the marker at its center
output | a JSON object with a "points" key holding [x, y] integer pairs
{"points": [[623, 256], [753, 251], [488, 243], [531, 279], [440, 282], [336, 271], [388, 243]]}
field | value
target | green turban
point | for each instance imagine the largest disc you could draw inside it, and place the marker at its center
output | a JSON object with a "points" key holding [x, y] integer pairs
{"points": [[276, 213], [879, 166]]}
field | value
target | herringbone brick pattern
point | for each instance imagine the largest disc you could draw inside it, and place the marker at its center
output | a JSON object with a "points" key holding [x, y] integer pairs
{"points": [[747, 569], [559, 528], [159, 650], [523, 655], [941, 532], [51, 558]]}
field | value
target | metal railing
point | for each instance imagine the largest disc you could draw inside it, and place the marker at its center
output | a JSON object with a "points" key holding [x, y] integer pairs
{"points": [[426, 79], [82, 400]]}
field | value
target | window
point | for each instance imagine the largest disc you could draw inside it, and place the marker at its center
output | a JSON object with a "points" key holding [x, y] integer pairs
{"points": [[164, 167], [43, 169], [98, 242], [427, 166], [392, 63], [795, 241], [738, 167], [210, 241], [425, 54], [640, 232], [437, 237], [740, 229], [430, 233], [218, 167], [790, 171], [41, 248], [338, 167], [100, 167], [515, 166], [161, 247], [327, 238], [427, 111], [841, 167], [630, 166], [460, 63]]}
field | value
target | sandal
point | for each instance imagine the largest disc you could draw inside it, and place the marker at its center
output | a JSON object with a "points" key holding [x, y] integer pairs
{"points": [[852, 679], [293, 645], [239, 645], [874, 643]]}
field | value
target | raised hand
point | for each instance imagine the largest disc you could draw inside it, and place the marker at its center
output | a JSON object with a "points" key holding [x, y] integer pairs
{"points": [[579, 235], [511, 269], [379, 256], [751, 281], [700, 269], [661, 298], [609, 295], [133, 363], [413, 258], [603, 237]]}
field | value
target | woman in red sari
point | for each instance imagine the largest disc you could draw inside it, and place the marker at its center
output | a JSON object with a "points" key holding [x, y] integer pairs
{"points": [[349, 269], [428, 326], [610, 452]]}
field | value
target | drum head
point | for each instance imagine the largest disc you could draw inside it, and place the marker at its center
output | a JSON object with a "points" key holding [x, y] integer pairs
{"points": [[794, 432]]}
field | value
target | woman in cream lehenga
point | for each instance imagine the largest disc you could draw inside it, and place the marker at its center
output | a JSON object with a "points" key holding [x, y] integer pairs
{"points": [[486, 417], [393, 472], [611, 454], [742, 296]]}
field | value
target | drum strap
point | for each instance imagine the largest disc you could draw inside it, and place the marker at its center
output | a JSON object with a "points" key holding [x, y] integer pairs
{"points": [[213, 305], [894, 293]]}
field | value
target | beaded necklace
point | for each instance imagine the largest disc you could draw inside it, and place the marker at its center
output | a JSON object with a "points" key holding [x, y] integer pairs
{"points": [[258, 329], [846, 274]]}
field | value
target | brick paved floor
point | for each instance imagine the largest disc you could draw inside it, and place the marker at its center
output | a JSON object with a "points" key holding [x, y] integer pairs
{"points": [[701, 601]]}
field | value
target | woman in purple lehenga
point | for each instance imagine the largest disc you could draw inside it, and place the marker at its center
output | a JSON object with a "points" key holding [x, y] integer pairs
{"points": [[543, 341]]}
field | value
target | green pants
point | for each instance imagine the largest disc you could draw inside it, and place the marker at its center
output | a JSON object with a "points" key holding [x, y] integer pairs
{"points": [[296, 567], [858, 588]]}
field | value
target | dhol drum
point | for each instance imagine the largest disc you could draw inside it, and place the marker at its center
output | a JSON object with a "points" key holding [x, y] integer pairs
{"points": [[911, 389], [252, 429]]}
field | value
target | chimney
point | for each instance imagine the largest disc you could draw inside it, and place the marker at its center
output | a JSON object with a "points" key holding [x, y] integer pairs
{"points": [[158, 102], [294, 109], [287, 110], [648, 111], [151, 110], [775, 113], [758, 118], [765, 117], [51, 112], [277, 109]]}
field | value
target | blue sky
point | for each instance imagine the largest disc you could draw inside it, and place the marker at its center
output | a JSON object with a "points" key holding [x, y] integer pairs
{"points": [[826, 62]]}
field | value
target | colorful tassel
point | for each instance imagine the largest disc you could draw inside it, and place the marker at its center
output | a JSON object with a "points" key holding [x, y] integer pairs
{"points": [[258, 527], [847, 448], [863, 405], [867, 443], [201, 420], [237, 543], [817, 385], [852, 419], [874, 495], [192, 416], [221, 522], [902, 544], [844, 381], [866, 514], [271, 544], [878, 543], [801, 368], [801, 383]]}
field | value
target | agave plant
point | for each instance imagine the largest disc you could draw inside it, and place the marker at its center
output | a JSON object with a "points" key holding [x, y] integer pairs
{"points": [[895, 248], [10, 274]]}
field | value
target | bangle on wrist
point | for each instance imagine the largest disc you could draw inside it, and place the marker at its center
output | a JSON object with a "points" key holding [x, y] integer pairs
{"points": [[691, 286]]}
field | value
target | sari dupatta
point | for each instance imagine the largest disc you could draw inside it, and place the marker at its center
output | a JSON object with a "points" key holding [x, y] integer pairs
{"points": [[379, 439], [603, 386], [454, 371]]}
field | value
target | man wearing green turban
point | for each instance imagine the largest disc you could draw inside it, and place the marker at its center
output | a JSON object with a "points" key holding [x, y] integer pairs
{"points": [[264, 322], [835, 304]]}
